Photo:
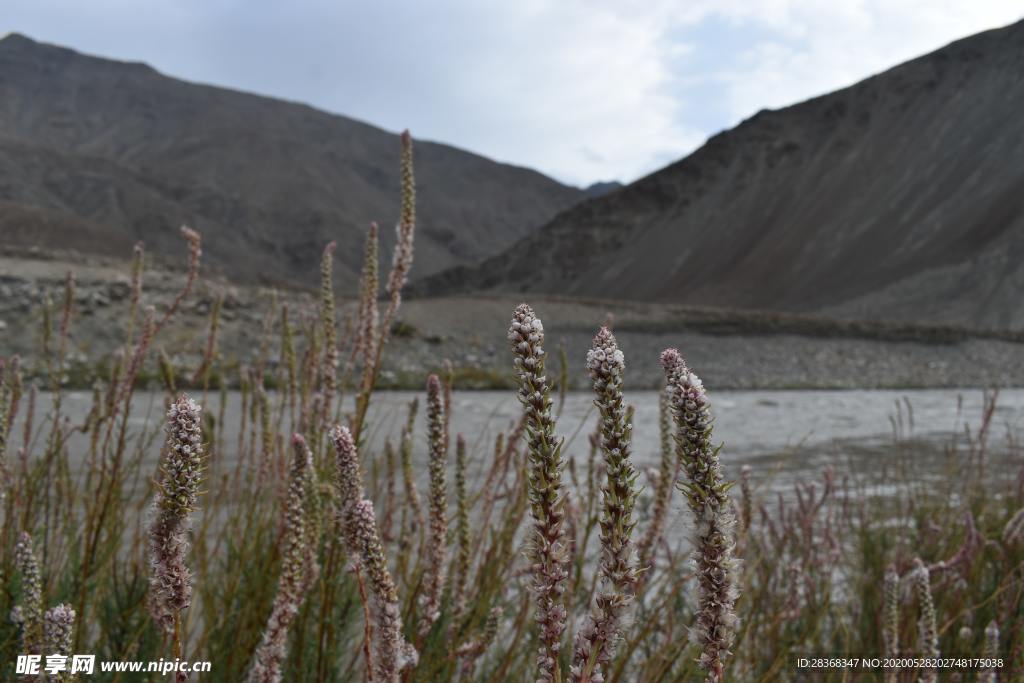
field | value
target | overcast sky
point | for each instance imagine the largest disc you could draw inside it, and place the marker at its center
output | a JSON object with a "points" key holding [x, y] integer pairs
{"points": [[582, 91]]}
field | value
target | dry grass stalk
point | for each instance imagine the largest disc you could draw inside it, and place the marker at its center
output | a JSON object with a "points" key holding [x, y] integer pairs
{"points": [[647, 546]]}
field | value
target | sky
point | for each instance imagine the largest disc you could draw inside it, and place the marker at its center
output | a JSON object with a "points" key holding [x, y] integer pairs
{"points": [[581, 91]]}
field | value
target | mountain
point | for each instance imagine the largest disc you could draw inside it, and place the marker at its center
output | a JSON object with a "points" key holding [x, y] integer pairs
{"points": [[900, 197], [96, 154], [602, 188]]}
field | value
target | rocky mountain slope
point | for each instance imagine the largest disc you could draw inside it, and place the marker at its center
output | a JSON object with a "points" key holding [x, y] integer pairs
{"points": [[901, 197], [96, 154]]}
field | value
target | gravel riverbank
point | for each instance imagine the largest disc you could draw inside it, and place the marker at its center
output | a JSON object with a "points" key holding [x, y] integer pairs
{"points": [[732, 350]]}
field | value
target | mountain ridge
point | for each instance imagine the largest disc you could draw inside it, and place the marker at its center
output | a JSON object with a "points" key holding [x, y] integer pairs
{"points": [[140, 153], [836, 204]]}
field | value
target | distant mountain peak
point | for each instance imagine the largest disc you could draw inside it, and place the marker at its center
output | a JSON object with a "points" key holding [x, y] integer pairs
{"points": [[15, 37], [17, 41], [602, 187], [22, 42], [49, 53]]}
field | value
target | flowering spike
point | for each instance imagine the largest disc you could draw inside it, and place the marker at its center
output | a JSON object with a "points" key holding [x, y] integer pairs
{"points": [[471, 651], [288, 358], [1013, 532], [401, 264], [548, 553], [14, 390], [202, 372], [6, 407], [330, 360], [29, 614], [412, 494], [66, 311], [392, 653], [195, 251], [891, 619], [366, 341], [462, 557], [138, 265], [408, 216], [58, 628], [138, 358], [401, 260], [707, 494], [991, 653], [170, 582], [298, 567], [433, 580], [927, 627], [350, 486], [595, 642]]}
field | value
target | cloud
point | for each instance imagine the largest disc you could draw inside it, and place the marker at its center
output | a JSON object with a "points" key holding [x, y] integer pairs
{"points": [[797, 49], [583, 90]]}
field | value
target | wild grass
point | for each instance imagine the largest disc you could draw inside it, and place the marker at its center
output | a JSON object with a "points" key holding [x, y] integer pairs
{"points": [[285, 546]]}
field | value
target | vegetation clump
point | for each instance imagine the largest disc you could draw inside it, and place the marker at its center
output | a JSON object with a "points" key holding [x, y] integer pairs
{"points": [[277, 543]]}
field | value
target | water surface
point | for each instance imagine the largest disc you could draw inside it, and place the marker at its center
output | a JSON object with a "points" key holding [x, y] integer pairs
{"points": [[800, 431]]}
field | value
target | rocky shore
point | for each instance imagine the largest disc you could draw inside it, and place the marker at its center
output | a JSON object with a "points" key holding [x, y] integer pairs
{"points": [[730, 349]]}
